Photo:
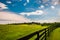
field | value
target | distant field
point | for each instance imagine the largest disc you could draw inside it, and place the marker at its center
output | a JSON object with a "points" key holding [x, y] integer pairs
{"points": [[13, 32]]}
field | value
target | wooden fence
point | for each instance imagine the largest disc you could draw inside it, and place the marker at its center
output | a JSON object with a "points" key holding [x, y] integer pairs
{"points": [[41, 34]]}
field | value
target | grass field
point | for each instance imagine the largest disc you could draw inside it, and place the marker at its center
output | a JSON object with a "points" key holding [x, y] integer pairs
{"points": [[55, 35], [13, 32]]}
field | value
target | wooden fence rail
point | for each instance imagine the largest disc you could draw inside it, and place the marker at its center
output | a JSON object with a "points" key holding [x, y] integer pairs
{"points": [[40, 36]]}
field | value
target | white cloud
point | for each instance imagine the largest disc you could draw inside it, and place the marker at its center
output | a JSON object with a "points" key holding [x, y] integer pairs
{"points": [[25, 4], [42, 6], [3, 6], [38, 12], [9, 17], [27, 1], [55, 2], [53, 7], [44, 1], [9, 2]]}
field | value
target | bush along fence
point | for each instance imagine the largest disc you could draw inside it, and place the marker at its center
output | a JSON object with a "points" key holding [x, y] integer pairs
{"points": [[41, 34]]}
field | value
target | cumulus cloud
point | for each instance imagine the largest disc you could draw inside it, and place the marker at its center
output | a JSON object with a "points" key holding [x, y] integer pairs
{"points": [[3, 6], [42, 6], [9, 2], [9, 17], [53, 7], [44, 1], [27, 1], [25, 4], [38, 12], [55, 2]]}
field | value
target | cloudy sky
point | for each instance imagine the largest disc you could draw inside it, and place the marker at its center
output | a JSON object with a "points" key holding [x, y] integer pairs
{"points": [[18, 11]]}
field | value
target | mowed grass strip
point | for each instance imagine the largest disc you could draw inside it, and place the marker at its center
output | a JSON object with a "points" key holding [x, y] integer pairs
{"points": [[55, 35], [13, 32]]}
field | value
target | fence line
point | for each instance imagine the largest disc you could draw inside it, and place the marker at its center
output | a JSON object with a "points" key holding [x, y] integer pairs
{"points": [[43, 36]]}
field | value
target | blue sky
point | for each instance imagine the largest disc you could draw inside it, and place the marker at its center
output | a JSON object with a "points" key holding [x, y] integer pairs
{"points": [[32, 9], [24, 5]]}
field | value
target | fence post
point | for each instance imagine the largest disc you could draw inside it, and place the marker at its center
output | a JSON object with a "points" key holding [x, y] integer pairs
{"points": [[45, 34], [37, 36], [48, 31]]}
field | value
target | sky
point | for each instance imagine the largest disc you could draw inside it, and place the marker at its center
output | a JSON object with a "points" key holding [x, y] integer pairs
{"points": [[20, 11]]}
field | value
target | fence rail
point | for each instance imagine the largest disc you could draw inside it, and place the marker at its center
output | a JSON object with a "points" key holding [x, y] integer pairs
{"points": [[40, 36]]}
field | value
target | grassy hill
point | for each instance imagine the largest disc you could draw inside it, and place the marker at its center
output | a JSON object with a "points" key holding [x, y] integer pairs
{"points": [[16, 31], [13, 32]]}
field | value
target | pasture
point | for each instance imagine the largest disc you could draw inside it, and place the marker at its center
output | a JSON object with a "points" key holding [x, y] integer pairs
{"points": [[16, 31], [13, 32]]}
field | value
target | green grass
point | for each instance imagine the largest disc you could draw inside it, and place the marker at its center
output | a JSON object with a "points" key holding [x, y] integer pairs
{"points": [[13, 32], [55, 35]]}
